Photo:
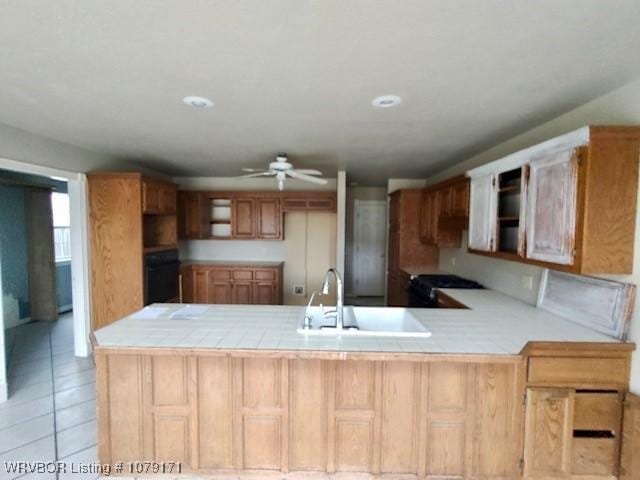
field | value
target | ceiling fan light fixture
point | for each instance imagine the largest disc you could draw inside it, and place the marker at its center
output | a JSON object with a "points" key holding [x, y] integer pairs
{"points": [[386, 101], [198, 102]]}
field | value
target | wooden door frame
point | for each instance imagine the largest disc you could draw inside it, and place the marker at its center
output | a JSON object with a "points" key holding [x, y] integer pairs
{"points": [[354, 261], [79, 206]]}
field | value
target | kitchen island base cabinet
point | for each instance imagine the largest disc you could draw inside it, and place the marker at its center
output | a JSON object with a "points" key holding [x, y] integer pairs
{"points": [[450, 417]]}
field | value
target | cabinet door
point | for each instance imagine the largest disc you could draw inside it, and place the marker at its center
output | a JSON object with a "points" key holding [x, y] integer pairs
{"points": [[630, 460], [168, 199], [444, 202], [264, 293], [221, 292], [460, 199], [189, 215], [269, 218], [551, 208], [429, 218], [243, 219], [151, 197], [482, 214], [242, 293], [201, 286], [548, 433]]}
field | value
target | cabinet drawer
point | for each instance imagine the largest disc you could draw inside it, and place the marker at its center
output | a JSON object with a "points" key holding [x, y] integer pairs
{"points": [[578, 371], [219, 274], [265, 274], [594, 456], [597, 411], [243, 275]]}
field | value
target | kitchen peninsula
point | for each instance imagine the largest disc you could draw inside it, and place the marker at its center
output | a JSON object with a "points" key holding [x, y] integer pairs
{"points": [[238, 390]]}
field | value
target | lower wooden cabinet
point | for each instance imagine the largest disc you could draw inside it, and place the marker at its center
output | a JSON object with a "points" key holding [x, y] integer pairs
{"points": [[434, 418], [229, 284], [574, 411]]}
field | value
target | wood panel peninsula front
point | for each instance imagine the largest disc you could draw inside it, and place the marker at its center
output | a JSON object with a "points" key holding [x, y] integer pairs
{"points": [[501, 390]]}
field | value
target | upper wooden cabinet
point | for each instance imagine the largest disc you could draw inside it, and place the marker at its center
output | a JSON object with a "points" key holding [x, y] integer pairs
{"points": [[568, 203], [243, 218], [551, 207], [158, 198], [444, 212], [269, 218], [190, 215], [246, 215]]}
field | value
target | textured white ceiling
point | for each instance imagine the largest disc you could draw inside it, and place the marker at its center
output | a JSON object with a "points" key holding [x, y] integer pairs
{"points": [[299, 75]]}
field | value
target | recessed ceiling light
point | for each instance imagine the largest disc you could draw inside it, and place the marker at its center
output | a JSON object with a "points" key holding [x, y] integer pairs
{"points": [[386, 101], [198, 102]]}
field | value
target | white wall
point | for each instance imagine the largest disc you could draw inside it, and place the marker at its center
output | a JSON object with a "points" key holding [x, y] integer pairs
{"points": [[23, 146], [394, 184], [621, 106]]}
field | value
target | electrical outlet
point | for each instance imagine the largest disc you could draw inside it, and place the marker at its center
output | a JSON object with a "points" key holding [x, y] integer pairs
{"points": [[453, 261], [527, 282], [298, 290]]}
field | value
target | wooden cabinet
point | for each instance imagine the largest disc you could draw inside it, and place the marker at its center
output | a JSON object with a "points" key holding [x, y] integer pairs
{"points": [[482, 213], [630, 460], [190, 215], [233, 284], [396, 417], [243, 219], [548, 433], [158, 198], [245, 215], [444, 212], [128, 216], [269, 218], [429, 218], [309, 201], [405, 251], [551, 207], [568, 203], [574, 403]]}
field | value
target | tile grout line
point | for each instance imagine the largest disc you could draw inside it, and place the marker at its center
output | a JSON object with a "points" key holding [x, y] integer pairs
{"points": [[28, 443], [26, 421], [55, 431]]}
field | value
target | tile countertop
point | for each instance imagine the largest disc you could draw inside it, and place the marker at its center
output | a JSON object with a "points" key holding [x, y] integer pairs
{"points": [[231, 263], [493, 324]]}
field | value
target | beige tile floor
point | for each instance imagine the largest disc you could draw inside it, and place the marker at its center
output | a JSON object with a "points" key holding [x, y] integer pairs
{"points": [[50, 414]]}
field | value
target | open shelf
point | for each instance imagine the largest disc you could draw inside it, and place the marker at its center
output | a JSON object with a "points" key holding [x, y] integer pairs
{"points": [[509, 204], [220, 218]]}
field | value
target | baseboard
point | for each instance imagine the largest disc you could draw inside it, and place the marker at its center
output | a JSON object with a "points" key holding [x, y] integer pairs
{"points": [[65, 308]]}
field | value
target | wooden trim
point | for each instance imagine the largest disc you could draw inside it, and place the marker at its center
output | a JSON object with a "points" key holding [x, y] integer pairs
{"points": [[311, 354]]}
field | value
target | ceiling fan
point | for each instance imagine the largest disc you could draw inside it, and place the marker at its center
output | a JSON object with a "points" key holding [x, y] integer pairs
{"points": [[281, 169]]}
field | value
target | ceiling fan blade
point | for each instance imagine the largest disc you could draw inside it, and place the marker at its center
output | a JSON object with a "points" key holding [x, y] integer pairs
{"points": [[254, 170], [306, 178], [253, 175], [306, 171]]}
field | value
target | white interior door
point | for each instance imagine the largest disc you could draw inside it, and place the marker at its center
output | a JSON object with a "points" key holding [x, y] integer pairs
{"points": [[370, 224]]}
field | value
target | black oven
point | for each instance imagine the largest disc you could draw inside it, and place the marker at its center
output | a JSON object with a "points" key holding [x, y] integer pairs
{"points": [[161, 276]]}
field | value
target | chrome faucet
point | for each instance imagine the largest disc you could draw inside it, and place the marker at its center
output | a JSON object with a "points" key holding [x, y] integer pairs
{"points": [[308, 318], [339, 293]]}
